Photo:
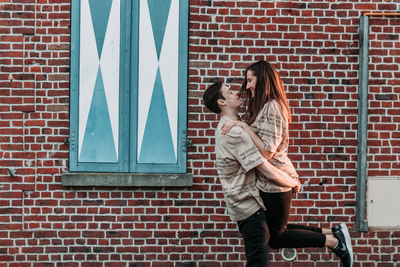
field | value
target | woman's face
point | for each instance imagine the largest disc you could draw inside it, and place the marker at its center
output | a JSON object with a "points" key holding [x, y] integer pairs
{"points": [[251, 82]]}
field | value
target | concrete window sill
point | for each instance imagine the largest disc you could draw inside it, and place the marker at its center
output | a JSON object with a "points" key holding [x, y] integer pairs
{"points": [[126, 179]]}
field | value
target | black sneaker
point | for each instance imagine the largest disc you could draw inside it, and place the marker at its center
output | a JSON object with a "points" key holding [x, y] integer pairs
{"points": [[343, 250]]}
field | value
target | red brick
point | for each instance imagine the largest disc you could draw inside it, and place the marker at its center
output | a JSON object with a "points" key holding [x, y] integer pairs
{"points": [[312, 45]]}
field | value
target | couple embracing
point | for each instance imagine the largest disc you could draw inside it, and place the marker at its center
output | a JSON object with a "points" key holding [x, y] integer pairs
{"points": [[257, 177]]}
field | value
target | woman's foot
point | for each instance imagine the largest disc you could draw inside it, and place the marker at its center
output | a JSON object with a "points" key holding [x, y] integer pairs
{"points": [[343, 249]]}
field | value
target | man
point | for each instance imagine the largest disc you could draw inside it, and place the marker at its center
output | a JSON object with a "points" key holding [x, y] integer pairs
{"points": [[237, 160]]}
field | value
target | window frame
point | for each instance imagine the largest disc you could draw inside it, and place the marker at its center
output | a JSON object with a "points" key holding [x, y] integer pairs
{"points": [[129, 54]]}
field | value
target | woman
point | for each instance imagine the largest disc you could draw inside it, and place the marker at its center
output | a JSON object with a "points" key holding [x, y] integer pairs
{"points": [[268, 117]]}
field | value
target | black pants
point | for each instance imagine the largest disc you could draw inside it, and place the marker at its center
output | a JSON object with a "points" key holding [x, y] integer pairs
{"points": [[255, 233], [282, 234]]}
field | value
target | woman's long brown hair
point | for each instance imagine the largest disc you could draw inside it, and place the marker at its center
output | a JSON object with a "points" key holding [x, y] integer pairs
{"points": [[269, 86]]}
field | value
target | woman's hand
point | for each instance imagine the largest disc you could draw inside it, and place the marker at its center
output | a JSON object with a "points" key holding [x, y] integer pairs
{"points": [[297, 188], [228, 124]]}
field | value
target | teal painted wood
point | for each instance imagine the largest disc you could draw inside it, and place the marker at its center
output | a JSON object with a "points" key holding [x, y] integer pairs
{"points": [[159, 10], [134, 83], [126, 15], [74, 84], [183, 83], [98, 143], [127, 153], [156, 141], [100, 11], [102, 163], [98, 102], [157, 134], [179, 165]]}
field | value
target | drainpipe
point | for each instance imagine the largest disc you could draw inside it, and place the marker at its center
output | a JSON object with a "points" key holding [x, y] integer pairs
{"points": [[362, 133]]}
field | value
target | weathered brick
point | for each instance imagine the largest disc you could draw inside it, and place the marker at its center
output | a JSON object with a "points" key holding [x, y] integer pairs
{"points": [[314, 45]]}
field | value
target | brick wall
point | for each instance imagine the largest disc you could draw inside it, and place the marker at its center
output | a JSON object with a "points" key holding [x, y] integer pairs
{"points": [[314, 44], [384, 119]]}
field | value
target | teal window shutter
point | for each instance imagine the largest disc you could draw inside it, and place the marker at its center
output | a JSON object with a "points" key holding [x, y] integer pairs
{"points": [[98, 126], [160, 95], [128, 86]]}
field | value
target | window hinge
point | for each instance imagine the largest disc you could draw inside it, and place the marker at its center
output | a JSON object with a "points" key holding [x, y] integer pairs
{"points": [[72, 141]]}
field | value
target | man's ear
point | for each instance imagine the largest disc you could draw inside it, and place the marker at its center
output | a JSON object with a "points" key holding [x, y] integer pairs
{"points": [[221, 102]]}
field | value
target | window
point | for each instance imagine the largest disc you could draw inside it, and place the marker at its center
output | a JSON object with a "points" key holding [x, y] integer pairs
{"points": [[128, 86]]}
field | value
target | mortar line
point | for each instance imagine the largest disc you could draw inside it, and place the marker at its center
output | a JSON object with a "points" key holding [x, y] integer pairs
{"points": [[35, 19], [35, 172], [22, 78], [23, 53], [23, 211], [34, 93], [23, 131]]}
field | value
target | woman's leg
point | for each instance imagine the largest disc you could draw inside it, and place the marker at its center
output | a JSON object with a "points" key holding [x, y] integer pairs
{"points": [[304, 227], [282, 236], [326, 231]]}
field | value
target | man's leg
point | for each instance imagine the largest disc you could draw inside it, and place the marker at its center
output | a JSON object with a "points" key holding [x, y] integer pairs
{"points": [[255, 233]]}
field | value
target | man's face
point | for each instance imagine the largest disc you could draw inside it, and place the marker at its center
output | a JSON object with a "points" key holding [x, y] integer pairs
{"points": [[232, 99]]}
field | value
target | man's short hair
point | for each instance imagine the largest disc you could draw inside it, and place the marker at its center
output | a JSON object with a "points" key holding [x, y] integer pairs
{"points": [[211, 96]]}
